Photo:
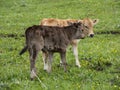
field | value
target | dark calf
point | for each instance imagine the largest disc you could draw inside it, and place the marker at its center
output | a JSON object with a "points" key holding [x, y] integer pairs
{"points": [[50, 39]]}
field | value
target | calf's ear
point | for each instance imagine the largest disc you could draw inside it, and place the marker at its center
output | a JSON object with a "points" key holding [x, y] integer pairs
{"points": [[95, 21], [80, 21]]}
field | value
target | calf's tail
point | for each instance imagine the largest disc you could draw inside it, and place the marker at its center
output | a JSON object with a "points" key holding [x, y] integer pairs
{"points": [[23, 50]]}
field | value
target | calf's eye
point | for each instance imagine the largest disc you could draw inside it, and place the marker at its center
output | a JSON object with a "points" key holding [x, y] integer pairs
{"points": [[81, 30], [86, 27]]}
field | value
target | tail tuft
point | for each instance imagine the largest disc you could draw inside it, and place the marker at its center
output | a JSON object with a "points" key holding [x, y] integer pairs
{"points": [[23, 50]]}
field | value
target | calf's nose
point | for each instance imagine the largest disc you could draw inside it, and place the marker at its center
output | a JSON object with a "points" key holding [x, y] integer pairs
{"points": [[91, 35]]}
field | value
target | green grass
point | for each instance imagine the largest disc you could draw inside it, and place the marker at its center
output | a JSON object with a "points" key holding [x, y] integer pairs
{"points": [[99, 56]]}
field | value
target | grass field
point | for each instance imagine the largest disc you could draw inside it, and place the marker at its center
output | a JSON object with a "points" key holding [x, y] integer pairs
{"points": [[99, 56]]}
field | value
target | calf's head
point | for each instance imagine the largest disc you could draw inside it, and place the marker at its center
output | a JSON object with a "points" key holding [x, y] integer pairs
{"points": [[79, 30], [88, 26]]}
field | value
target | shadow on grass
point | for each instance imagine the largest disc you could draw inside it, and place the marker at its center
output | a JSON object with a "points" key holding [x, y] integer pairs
{"points": [[109, 32], [100, 65], [11, 35]]}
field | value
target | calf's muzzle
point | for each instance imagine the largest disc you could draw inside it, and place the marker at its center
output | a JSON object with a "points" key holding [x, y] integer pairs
{"points": [[91, 35]]}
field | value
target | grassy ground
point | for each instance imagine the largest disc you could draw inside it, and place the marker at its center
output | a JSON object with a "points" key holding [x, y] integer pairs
{"points": [[99, 56]]}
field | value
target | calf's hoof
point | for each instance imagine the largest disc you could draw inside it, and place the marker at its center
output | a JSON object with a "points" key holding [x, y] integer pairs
{"points": [[78, 65], [65, 71], [48, 70], [31, 79], [46, 67], [33, 75]]}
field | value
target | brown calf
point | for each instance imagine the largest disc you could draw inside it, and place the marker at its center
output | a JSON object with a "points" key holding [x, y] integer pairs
{"points": [[89, 23]]}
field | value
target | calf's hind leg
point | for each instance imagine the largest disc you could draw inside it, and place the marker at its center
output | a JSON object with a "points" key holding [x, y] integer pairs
{"points": [[33, 54]]}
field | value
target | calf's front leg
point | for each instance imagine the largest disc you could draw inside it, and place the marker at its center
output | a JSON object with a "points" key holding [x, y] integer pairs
{"points": [[50, 58], [75, 51], [45, 60], [63, 59]]}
